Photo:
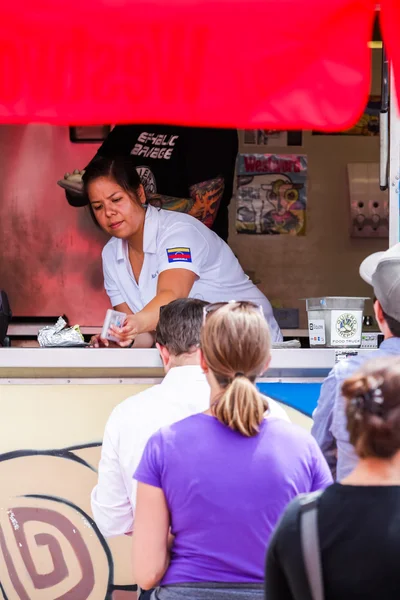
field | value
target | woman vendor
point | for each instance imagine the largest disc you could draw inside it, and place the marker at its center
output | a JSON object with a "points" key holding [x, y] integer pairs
{"points": [[156, 256]]}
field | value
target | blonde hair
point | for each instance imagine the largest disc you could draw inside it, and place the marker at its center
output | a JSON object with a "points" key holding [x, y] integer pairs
{"points": [[236, 346]]}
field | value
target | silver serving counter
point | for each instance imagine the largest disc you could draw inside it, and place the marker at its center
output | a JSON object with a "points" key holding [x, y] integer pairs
{"points": [[124, 365]]}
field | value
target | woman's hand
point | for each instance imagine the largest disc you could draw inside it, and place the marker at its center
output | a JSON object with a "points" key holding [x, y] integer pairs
{"points": [[143, 340], [127, 334], [72, 182], [96, 341]]}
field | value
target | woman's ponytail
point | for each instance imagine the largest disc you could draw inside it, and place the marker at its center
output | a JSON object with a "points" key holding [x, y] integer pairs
{"points": [[241, 407], [236, 345]]}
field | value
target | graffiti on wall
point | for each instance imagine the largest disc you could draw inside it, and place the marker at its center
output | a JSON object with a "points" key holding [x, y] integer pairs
{"points": [[50, 547]]}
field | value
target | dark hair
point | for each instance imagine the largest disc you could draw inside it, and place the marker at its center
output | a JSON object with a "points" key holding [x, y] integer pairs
{"points": [[373, 408], [180, 324], [120, 168], [393, 324]]}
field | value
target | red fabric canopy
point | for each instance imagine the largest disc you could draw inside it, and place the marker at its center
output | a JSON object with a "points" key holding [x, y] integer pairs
{"points": [[301, 64]]}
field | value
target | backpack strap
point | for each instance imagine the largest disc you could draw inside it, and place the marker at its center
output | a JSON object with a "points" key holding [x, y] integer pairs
{"points": [[310, 543]]}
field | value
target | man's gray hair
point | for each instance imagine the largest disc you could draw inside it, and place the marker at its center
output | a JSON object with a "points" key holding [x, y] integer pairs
{"points": [[180, 324]]}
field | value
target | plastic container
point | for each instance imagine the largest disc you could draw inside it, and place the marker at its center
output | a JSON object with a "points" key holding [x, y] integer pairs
{"points": [[335, 321]]}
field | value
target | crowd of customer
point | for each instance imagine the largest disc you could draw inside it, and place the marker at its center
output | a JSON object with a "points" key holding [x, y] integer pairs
{"points": [[355, 552], [209, 476], [382, 271]]}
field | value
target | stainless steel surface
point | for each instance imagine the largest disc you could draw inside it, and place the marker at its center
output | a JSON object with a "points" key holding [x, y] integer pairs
{"points": [[369, 206], [70, 363], [384, 150], [73, 358], [321, 311], [335, 303], [384, 124], [135, 380], [84, 381], [394, 165], [31, 329], [295, 333], [50, 252]]}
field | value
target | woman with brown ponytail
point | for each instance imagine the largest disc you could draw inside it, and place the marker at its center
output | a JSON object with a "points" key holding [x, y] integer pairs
{"points": [[212, 487], [358, 520]]}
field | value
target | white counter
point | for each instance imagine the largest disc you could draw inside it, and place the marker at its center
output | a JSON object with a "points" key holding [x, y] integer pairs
{"points": [[123, 363]]}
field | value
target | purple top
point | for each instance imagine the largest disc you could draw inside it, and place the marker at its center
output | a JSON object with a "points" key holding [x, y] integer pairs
{"points": [[226, 492]]}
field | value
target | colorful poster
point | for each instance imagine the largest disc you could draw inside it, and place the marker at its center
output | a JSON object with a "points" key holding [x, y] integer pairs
{"points": [[271, 194]]}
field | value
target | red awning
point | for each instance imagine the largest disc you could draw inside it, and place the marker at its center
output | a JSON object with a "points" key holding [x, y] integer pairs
{"points": [[301, 64]]}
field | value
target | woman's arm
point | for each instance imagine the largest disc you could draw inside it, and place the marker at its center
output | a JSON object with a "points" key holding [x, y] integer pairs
{"points": [[172, 284], [144, 340], [150, 536]]}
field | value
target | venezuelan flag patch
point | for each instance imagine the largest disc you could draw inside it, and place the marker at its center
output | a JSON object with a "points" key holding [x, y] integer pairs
{"points": [[179, 255]]}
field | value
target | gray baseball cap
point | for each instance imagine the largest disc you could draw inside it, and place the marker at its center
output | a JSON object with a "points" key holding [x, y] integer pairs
{"points": [[382, 271]]}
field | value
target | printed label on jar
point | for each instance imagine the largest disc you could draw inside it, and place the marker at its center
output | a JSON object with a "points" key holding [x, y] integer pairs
{"points": [[316, 332], [346, 327]]}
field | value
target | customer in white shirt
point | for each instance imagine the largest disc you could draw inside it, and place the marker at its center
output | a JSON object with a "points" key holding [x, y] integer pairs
{"points": [[183, 392]]}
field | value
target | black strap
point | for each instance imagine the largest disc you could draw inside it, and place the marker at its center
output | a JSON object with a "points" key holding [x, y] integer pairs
{"points": [[310, 543]]}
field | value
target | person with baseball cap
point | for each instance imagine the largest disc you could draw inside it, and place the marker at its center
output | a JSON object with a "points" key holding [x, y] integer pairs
{"points": [[382, 271]]}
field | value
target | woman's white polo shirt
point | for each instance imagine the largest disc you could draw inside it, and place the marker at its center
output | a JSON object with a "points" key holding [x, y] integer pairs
{"points": [[175, 240]]}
